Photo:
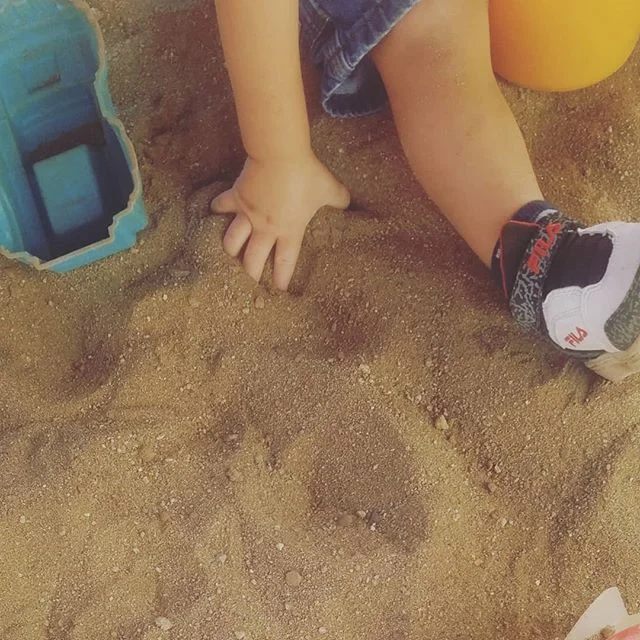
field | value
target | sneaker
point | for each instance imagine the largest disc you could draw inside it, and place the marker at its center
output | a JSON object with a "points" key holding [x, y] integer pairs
{"points": [[580, 287]]}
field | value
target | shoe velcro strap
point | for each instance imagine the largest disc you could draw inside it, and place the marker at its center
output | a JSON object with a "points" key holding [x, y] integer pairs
{"points": [[527, 294]]}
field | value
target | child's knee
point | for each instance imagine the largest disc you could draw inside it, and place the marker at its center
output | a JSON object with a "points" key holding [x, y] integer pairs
{"points": [[436, 30]]}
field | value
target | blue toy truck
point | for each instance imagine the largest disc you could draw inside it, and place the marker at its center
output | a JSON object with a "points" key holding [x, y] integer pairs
{"points": [[70, 188]]}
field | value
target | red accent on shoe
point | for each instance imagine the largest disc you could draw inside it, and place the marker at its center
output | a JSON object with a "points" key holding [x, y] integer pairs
{"points": [[576, 337], [542, 247]]}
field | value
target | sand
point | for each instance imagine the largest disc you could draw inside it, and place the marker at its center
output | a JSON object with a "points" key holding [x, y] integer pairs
{"points": [[177, 461]]}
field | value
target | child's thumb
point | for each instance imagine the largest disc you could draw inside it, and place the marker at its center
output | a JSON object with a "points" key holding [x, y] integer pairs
{"points": [[340, 197], [224, 203]]}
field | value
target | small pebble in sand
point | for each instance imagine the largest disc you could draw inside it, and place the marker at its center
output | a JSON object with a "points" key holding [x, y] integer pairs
{"points": [[374, 518], [288, 606], [345, 520], [240, 635], [259, 302], [607, 632], [502, 522], [442, 424], [323, 630], [361, 514], [222, 558], [164, 623], [280, 546], [492, 487], [293, 579]]}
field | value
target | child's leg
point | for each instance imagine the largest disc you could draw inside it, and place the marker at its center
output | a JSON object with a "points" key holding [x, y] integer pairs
{"points": [[458, 133], [579, 287]]}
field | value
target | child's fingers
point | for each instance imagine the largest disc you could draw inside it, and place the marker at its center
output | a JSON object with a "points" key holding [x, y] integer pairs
{"points": [[286, 258], [224, 203], [257, 253], [237, 235]]}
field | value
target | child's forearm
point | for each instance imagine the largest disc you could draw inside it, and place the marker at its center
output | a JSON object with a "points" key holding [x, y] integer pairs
{"points": [[260, 40]]}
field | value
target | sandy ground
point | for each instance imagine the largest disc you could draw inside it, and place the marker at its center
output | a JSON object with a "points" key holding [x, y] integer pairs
{"points": [[177, 443]]}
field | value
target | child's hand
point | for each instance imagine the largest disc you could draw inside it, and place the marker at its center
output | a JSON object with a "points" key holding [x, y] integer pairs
{"points": [[274, 201]]}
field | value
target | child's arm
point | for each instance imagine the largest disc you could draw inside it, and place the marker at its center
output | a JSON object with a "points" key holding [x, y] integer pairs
{"points": [[260, 40], [283, 184]]}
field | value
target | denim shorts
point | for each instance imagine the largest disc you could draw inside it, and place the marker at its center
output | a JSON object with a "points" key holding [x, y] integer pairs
{"points": [[339, 34]]}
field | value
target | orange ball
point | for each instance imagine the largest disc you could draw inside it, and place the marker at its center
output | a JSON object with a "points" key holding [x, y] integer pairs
{"points": [[561, 45]]}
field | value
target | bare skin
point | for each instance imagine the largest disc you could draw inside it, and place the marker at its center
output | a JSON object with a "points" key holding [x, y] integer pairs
{"points": [[458, 133], [283, 184]]}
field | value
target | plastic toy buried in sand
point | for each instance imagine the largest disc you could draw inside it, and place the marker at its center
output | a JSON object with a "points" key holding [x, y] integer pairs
{"points": [[555, 45], [70, 188]]}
